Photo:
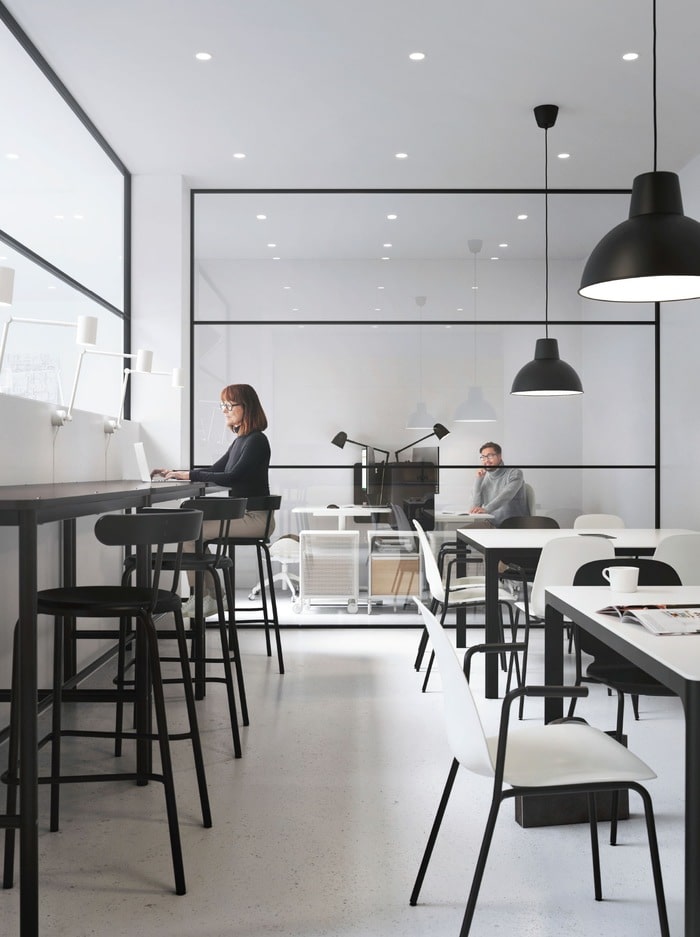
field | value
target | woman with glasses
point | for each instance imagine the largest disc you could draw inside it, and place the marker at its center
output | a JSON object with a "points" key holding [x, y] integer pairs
{"points": [[243, 468]]}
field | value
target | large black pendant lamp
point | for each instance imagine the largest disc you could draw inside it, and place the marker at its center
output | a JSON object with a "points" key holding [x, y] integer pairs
{"points": [[546, 375], [654, 256]]}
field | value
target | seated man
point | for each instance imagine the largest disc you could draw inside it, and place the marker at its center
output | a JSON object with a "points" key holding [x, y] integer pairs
{"points": [[498, 490]]}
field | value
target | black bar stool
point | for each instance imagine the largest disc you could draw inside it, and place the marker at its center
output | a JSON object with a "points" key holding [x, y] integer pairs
{"points": [[148, 532], [268, 601], [206, 563]]}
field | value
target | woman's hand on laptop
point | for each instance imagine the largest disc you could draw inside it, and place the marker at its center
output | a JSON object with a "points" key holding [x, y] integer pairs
{"points": [[171, 474]]}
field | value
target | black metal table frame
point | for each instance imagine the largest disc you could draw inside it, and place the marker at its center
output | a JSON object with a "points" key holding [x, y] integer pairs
{"points": [[26, 507]]}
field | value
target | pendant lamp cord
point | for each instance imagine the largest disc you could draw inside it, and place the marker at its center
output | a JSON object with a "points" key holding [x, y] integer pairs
{"points": [[546, 238], [474, 290], [653, 73]]}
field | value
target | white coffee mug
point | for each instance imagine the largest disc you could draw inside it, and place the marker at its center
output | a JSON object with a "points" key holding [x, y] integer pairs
{"points": [[622, 578]]}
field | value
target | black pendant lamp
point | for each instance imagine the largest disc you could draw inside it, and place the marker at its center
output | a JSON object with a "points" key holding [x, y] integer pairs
{"points": [[654, 256], [546, 375]]}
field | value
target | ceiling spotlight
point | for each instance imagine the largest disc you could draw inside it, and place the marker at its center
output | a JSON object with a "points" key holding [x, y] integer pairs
{"points": [[417, 56], [203, 56], [522, 217], [392, 217]]}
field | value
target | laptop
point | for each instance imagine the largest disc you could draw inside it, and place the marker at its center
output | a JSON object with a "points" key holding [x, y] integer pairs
{"points": [[144, 470]]}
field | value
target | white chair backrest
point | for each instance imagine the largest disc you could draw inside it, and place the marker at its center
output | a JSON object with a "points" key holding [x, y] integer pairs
{"points": [[559, 560], [591, 521], [430, 566], [465, 732], [682, 551], [530, 498]]}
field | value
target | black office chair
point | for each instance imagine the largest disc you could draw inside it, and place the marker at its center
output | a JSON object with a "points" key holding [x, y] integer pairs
{"points": [[268, 600], [147, 532], [204, 562], [610, 668]]}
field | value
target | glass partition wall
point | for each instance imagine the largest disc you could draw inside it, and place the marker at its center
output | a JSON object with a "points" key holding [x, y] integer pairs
{"points": [[64, 230], [345, 318]]}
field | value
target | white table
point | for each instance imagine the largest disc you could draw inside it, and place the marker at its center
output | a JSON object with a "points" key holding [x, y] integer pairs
{"points": [[342, 512], [451, 519], [673, 660], [525, 545]]}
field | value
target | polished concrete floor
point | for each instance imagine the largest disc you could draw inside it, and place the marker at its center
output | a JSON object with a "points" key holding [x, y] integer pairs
{"points": [[319, 828]]}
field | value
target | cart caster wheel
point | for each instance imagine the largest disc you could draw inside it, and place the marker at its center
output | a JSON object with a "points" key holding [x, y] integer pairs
{"points": [[352, 607], [296, 606]]}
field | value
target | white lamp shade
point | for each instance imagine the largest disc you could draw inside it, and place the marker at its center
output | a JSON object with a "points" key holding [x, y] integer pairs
{"points": [[144, 360], [420, 418], [7, 284], [475, 409], [87, 331], [178, 379]]}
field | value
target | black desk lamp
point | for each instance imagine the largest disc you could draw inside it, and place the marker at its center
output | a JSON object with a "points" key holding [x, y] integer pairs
{"points": [[341, 438], [438, 430]]}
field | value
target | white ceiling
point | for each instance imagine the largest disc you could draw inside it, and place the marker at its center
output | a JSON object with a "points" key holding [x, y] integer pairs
{"points": [[322, 94]]}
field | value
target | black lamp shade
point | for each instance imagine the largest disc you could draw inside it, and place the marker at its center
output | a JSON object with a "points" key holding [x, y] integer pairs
{"points": [[440, 431], [339, 440], [546, 375], [654, 256]]}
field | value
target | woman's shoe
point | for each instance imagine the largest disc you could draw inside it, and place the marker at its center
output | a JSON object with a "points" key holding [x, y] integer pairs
{"points": [[209, 608]]}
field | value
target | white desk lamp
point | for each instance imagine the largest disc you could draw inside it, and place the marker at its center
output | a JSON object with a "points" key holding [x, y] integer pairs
{"points": [[144, 359], [176, 380]]}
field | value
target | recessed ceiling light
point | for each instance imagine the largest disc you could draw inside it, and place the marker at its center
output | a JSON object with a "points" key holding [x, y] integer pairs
{"points": [[503, 245], [387, 245], [296, 309], [380, 287], [272, 245], [392, 217], [563, 155], [630, 56], [377, 309], [79, 217], [522, 217], [476, 287], [239, 155], [401, 155], [416, 56], [11, 155], [203, 56], [495, 258], [460, 309], [59, 217], [286, 287], [385, 258], [261, 217], [275, 258]]}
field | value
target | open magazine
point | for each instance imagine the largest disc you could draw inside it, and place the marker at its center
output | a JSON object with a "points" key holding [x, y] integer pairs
{"points": [[659, 619]]}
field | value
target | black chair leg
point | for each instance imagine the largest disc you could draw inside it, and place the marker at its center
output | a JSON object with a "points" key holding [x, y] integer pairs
{"points": [[595, 852], [655, 861], [56, 723], [435, 829], [428, 672], [165, 759], [230, 642], [192, 716], [480, 867], [422, 644], [273, 605], [228, 672]]}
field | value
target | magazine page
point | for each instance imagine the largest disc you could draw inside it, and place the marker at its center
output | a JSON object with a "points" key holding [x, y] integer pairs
{"points": [[659, 619]]}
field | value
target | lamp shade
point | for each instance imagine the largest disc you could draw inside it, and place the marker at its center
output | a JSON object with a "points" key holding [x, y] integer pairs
{"points": [[440, 431], [654, 256], [420, 418], [339, 440], [475, 409], [546, 375], [87, 331]]}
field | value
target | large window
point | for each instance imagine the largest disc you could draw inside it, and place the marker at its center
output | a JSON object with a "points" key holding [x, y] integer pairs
{"points": [[302, 305], [63, 229]]}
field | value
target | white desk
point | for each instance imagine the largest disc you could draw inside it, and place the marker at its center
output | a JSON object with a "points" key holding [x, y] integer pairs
{"points": [[447, 520], [525, 545], [342, 512], [674, 660]]}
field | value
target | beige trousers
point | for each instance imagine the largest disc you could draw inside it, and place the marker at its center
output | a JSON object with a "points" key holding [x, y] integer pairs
{"points": [[252, 524]]}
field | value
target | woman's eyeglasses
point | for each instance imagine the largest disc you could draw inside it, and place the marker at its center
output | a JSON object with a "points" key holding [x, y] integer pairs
{"points": [[226, 407]]}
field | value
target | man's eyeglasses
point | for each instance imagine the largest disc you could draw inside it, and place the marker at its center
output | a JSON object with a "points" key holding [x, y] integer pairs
{"points": [[226, 407], [488, 455]]}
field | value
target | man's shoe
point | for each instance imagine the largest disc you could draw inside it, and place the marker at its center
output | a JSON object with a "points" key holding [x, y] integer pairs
{"points": [[209, 608]]}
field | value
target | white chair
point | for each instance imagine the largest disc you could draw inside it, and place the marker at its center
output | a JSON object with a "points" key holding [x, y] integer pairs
{"points": [[557, 565], [538, 759], [682, 551], [452, 591], [286, 552], [593, 521], [530, 498]]}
